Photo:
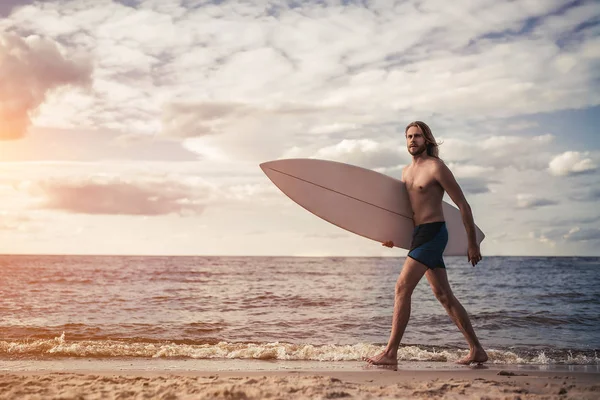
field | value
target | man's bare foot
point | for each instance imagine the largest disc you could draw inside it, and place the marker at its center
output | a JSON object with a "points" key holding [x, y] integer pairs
{"points": [[475, 356], [383, 358]]}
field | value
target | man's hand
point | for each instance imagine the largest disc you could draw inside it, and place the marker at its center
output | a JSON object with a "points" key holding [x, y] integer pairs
{"points": [[474, 254], [389, 243]]}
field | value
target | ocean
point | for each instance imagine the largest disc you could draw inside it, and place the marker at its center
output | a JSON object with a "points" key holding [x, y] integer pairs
{"points": [[525, 310]]}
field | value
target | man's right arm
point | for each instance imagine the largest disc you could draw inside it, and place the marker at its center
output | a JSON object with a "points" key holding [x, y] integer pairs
{"points": [[390, 243]]}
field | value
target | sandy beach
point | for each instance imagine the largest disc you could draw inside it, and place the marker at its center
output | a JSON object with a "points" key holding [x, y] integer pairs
{"points": [[300, 383]]}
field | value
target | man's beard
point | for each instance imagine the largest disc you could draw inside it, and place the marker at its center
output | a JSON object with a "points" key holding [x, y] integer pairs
{"points": [[418, 151]]}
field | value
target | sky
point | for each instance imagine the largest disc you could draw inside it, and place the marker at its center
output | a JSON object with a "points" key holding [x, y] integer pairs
{"points": [[138, 126]]}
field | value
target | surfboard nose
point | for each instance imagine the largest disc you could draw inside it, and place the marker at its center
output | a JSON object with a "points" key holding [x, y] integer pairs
{"points": [[269, 168], [277, 165], [264, 165]]}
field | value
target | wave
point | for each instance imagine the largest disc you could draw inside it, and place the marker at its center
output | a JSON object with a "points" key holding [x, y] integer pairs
{"points": [[138, 348]]}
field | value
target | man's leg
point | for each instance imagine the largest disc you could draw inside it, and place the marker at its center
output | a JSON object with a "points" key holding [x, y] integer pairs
{"points": [[411, 274], [438, 279]]}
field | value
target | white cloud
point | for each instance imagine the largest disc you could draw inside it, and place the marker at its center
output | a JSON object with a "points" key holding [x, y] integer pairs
{"points": [[14, 221], [591, 194], [557, 26], [352, 57], [474, 179], [503, 145], [29, 69], [207, 118], [205, 150], [366, 153], [6, 6], [571, 162], [132, 188], [577, 234], [130, 140], [541, 238], [522, 125], [474, 185], [294, 152], [194, 120], [242, 132], [258, 192], [114, 196], [242, 83], [333, 128], [532, 201], [498, 151], [470, 170]]}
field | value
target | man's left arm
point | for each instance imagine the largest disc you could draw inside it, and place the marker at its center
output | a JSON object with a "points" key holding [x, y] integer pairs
{"points": [[446, 179]]}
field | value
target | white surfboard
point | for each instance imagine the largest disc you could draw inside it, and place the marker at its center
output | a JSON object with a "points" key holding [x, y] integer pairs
{"points": [[362, 201]]}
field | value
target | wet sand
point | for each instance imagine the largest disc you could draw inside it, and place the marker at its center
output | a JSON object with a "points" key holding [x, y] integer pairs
{"points": [[293, 381]]}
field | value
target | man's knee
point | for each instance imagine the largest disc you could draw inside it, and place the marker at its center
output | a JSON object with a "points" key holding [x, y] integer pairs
{"points": [[444, 297], [404, 288]]}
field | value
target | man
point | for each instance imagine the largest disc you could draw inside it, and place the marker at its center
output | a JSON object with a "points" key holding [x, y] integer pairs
{"points": [[426, 178]]}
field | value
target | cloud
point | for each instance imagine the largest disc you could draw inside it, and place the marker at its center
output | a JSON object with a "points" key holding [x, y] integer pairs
{"points": [[366, 153], [205, 150], [130, 140], [6, 6], [473, 179], [522, 125], [571, 163], [326, 235], [222, 79], [474, 185], [31, 68], [333, 128], [198, 119], [562, 222], [578, 234], [258, 192], [350, 56], [113, 196], [530, 201], [470, 170], [133, 188], [243, 131], [14, 221], [588, 194], [558, 235], [543, 238], [498, 151]]}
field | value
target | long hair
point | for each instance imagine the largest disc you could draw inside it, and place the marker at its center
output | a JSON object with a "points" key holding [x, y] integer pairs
{"points": [[430, 143]]}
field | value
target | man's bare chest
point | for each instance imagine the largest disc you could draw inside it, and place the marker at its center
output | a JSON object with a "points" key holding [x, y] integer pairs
{"points": [[420, 182]]}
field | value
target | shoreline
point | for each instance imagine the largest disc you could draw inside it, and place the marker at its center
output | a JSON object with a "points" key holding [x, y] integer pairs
{"points": [[183, 365], [283, 380], [255, 379]]}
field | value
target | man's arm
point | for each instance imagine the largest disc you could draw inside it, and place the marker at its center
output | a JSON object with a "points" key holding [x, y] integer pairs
{"points": [[390, 243], [446, 179]]}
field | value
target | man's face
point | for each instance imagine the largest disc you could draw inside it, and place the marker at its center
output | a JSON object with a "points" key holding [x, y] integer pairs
{"points": [[415, 141]]}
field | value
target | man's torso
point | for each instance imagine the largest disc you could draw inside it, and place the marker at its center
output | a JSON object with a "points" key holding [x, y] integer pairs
{"points": [[424, 192]]}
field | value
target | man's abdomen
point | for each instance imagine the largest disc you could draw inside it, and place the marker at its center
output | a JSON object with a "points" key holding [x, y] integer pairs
{"points": [[426, 210]]}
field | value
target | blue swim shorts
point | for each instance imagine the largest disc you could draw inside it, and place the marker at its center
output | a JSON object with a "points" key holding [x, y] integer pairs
{"points": [[428, 244]]}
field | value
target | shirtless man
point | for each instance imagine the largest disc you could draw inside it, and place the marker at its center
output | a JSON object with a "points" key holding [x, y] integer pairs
{"points": [[426, 178]]}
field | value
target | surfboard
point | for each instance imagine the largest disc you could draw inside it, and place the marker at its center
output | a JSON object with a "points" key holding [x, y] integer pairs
{"points": [[359, 200]]}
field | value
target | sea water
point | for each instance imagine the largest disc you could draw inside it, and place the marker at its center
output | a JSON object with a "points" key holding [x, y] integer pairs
{"points": [[525, 310]]}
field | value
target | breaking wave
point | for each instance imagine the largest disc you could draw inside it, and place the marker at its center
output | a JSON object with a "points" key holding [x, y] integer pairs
{"points": [[60, 347]]}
